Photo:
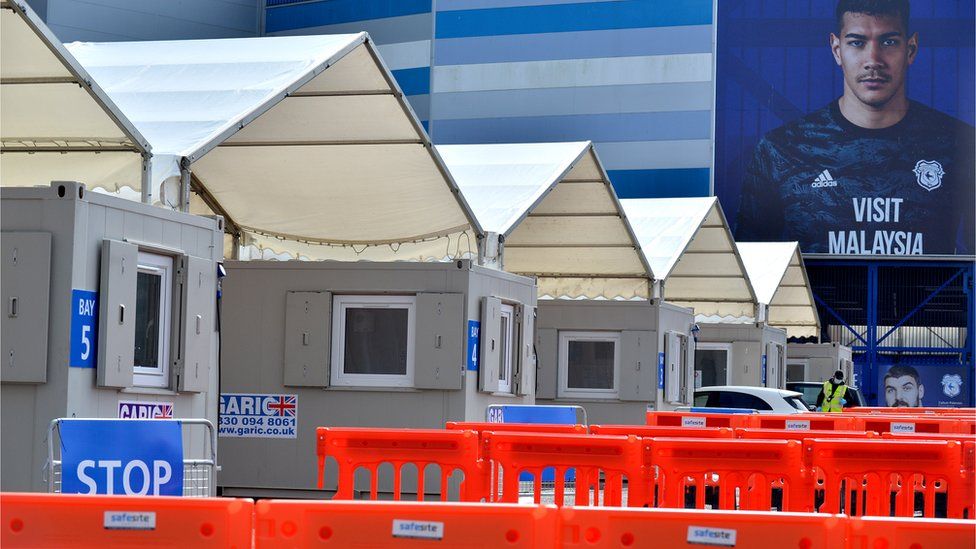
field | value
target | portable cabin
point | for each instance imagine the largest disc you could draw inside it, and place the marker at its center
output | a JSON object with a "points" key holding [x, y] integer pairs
{"points": [[782, 287], [689, 246], [550, 212], [819, 361], [110, 304], [309, 149]]}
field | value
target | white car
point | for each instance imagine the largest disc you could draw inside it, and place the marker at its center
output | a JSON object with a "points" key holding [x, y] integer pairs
{"points": [[762, 399]]}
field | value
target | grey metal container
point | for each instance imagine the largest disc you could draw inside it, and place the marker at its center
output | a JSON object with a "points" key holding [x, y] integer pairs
{"points": [[61, 239]]}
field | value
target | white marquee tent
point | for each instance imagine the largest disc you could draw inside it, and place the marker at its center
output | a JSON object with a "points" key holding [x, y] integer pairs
{"points": [[556, 215], [305, 144], [780, 281], [691, 251], [57, 123]]}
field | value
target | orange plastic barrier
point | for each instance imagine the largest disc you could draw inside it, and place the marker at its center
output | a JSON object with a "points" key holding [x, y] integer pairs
{"points": [[875, 468], [751, 467], [480, 426], [782, 434], [654, 431], [887, 423], [368, 448], [805, 422], [618, 458], [697, 419], [68, 520], [595, 528], [281, 523], [961, 437], [969, 477], [910, 533]]}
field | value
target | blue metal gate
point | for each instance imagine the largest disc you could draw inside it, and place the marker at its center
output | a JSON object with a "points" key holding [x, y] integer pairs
{"points": [[916, 314]]}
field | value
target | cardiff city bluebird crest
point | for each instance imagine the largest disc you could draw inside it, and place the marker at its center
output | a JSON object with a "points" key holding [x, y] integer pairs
{"points": [[951, 385], [929, 174]]}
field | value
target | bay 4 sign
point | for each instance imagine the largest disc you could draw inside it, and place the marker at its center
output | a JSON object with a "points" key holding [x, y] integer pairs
{"points": [[247, 415], [121, 457]]}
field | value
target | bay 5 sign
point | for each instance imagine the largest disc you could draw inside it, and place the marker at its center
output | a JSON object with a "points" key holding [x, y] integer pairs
{"points": [[121, 457]]}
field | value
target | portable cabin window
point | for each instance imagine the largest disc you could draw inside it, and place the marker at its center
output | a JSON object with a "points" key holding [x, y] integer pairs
{"points": [[507, 347], [154, 308], [373, 340], [589, 364], [796, 370], [712, 364]]}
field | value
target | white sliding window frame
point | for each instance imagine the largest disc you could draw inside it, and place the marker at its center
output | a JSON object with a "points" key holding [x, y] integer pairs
{"points": [[154, 313], [566, 339], [341, 307], [712, 346], [508, 333]]}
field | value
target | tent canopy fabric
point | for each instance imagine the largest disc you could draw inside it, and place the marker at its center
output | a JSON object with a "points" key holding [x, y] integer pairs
{"points": [[780, 281], [690, 249], [559, 216], [305, 144], [58, 124]]}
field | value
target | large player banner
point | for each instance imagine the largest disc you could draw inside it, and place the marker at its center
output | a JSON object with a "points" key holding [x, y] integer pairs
{"points": [[852, 135]]}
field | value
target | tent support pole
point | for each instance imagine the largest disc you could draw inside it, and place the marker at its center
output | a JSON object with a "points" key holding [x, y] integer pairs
{"points": [[147, 178], [230, 226], [184, 185]]}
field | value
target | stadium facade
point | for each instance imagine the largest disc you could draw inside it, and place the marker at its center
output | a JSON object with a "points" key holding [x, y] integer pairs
{"points": [[638, 78]]}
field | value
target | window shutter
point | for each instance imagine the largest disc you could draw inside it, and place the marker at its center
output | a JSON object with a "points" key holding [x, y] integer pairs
{"points": [[308, 339], [672, 369], [118, 275], [774, 370], [439, 344], [637, 365], [491, 325], [526, 360], [26, 289], [547, 346]]}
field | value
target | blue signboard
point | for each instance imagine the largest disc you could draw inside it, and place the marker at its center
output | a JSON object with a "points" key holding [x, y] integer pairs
{"points": [[474, 334], [122, 457], [84, 323], [564, 415], [764, 370]]}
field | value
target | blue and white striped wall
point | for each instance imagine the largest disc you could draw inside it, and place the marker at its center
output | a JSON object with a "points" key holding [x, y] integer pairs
{"points": [[403, 30], [633, 76]]}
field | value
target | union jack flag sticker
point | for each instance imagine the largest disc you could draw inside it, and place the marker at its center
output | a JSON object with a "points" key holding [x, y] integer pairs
{"points": [[283, 405]]}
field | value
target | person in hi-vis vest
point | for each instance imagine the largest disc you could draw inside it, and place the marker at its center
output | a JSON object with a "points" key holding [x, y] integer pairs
{"points": [[831, 398]]}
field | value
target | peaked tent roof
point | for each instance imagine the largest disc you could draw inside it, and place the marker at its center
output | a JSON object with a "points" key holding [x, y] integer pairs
{"points": [[688, 245], [559, 216], [57, 123], [305, 144], [779, 279]]}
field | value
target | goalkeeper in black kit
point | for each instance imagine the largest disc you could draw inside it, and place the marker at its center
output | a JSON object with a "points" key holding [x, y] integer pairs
{"points": [[872, 173]]}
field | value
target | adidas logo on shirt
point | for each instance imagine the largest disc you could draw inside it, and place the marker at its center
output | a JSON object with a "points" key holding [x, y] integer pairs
{"points": [[824, 180]]}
